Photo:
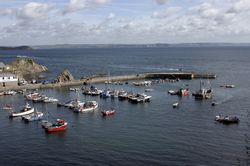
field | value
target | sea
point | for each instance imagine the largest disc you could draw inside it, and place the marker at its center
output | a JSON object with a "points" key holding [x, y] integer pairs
{"points": [[152, 133]]}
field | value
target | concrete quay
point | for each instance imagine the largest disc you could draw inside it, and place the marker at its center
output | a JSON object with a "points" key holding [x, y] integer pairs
{"points": [[102, 79]]}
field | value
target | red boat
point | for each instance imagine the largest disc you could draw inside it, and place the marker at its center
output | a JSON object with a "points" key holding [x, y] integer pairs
{"points": [[60, 125], [107, 113]]}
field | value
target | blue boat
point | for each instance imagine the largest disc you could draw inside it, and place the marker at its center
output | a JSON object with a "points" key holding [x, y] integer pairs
{"points": [[105, 94], [33, 117]]}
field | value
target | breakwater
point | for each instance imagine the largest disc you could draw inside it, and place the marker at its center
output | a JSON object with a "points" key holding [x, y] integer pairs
{"points": [[102, 79]]}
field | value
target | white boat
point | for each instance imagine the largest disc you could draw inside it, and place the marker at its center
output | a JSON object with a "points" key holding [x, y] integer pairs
{"points": [[139, 98], [175, 105], [74, 89], [25, 111], [74, 104], [88, 106], [50, 100], [149, 90]]}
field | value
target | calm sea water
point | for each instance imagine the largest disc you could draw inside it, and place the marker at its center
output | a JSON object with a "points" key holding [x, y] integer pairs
{"points": [[139, 134]]}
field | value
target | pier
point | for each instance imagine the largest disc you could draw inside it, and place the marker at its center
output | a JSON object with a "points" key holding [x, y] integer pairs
{"points": [[102, 79]]}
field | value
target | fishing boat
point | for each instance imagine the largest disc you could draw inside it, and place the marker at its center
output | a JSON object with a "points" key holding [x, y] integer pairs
{"points": [[149, 90], [50, 100], [33, 117], [183, 92], [105, 94], [25, 111], [87, 106], [74, 89], [227, 119], [203, 93], [175, 105], [139, 98], [59, 125], [172, 92], [108, 112], [7, 107]]}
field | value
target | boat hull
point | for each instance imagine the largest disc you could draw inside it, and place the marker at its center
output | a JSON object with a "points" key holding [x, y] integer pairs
{"points": [[22, 113]]}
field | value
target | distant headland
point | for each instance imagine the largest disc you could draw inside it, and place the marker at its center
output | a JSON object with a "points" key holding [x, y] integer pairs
{"points": [[16, 48], [152, 45]]}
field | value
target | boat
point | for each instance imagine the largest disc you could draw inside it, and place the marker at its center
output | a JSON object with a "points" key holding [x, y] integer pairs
{"points": [[50, 100], [105, 94], [87, 106], [175, 105], [183, 92], [203, 93], [214, 103], [228, 86], [172, 92], [108, 112], [139, 98], [142, 83], [149, 90], [74, 104], [25, 111], [93, 91], [10, 92], [7, 107], [33, 117], [74, 89], [59, 125], [227, 119]]}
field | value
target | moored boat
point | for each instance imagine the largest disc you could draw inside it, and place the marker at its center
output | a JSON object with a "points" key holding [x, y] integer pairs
{"points": [[25, 111], [87, 106], [203, 93], [59, 125], [139, 98], [183, 92], [227, 119], [108, 112], [7, 107], [175, 105], [50, 100], [33, 117]]}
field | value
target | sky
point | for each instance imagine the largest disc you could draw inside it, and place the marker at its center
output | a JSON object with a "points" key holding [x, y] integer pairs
{"points": [[47, 22]]}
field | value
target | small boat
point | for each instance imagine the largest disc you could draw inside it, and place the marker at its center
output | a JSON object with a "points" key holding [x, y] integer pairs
{"points": [[139, 98], [172, 92], [214, 103], [105, 94], [60, 125], [230, 86], [175, 105], [108, 112], [227, 119], [25, 111], [87, 106], [149, 90], [74, 89], [183, 92], [7, 107], [33, 117], [10, 92], [50, 100]]}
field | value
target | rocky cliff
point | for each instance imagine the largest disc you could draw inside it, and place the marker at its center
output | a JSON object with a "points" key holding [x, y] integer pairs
{"points": [[65, 76], [26, 66]]}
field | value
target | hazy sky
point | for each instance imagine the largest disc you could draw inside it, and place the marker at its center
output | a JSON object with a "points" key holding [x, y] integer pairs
{"points": [[123, 21]]}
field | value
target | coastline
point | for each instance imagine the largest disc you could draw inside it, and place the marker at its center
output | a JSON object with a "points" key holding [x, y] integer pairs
{"points": [[102, 79]]}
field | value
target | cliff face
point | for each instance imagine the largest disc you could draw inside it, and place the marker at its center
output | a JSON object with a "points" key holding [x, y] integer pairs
{"points": [[65, 76], [24, 66]]}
